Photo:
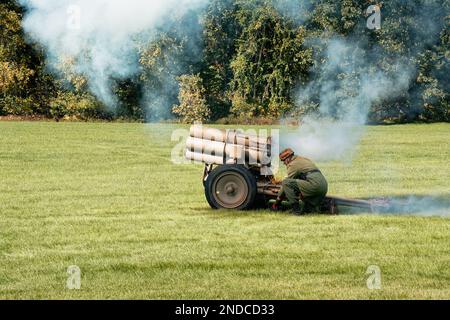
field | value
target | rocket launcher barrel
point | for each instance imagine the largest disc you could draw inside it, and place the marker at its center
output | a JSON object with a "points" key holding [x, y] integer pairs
{"points": [[206, 158], [230, 136], [215, 146], [220, 149]]}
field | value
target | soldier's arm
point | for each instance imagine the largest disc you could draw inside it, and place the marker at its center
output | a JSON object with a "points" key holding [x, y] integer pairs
{"points": [[290, 175]]}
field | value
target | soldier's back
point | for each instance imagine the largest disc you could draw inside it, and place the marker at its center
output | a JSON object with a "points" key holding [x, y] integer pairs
{"points": [[300, 165]]}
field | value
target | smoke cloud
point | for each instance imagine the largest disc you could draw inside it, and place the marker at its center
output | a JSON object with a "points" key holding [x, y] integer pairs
{"points": [[347, 82], [413, 205], [299, 10], [345, 86], [100, 36]]}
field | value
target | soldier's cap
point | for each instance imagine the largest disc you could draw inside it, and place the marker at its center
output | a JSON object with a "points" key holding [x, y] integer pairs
{"points": [[286, 154]]}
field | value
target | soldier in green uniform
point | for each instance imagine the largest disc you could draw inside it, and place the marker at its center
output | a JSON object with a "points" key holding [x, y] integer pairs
{"points": [[305, 186]]}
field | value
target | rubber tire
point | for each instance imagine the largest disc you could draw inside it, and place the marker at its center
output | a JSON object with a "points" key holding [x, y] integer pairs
{"points": [[242, 171]]}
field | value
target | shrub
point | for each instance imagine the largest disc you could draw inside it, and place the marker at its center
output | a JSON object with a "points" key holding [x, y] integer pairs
{"points": [[17, 106], [192, 107], [68, 105]]}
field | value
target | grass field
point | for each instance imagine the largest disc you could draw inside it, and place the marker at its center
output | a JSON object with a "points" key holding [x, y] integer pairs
{"points": [[107, 198]]}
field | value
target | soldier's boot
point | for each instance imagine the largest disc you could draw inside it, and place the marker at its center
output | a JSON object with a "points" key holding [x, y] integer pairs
{"points": [[298, 208]]}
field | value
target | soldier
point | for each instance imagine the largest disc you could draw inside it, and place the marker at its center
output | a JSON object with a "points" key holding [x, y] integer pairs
{"points": [[305, 187]]}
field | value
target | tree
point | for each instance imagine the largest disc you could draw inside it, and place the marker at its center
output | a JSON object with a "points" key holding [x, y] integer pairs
{"points": [[245, 59], [270, 59], [220, 31], [174, 52], [16, 72], [192, 107]]}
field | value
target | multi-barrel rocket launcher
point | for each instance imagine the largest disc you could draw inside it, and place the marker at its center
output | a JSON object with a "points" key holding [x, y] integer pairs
{"points": [[238, 170]]}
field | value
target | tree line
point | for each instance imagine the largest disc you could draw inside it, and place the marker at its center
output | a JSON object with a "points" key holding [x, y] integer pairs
{"points": [[248, 59]]}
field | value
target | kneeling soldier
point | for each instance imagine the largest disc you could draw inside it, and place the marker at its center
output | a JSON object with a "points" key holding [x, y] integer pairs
{"points": [[305, 187]]}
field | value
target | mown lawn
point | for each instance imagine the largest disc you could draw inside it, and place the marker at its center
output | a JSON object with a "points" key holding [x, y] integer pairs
{"points": [[107, 198]]}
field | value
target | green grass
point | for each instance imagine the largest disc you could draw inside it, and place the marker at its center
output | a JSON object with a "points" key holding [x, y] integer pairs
{"points": [[106, 197]]}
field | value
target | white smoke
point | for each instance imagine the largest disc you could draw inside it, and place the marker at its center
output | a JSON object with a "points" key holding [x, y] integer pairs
{"points": [[297, 10], [324, 139], [346, 84], [99, 35], [415, 205], [348, 81]]}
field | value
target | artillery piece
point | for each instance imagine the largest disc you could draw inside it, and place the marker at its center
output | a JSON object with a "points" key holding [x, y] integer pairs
{"points": [[238, 171]]}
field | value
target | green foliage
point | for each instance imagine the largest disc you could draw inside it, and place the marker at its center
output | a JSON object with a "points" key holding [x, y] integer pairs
{"points": [[18, 106], [25, 86], [270, 59], [161, 64], [220, 31], [15, 73], [250, 56], [192, 107], [73, 106], [434, 68], [129, 94]]}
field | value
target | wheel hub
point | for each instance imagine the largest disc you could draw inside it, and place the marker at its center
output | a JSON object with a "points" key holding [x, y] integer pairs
{"points": [[230, 190]]}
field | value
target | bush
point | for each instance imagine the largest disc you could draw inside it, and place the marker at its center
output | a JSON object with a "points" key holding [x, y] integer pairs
{"points": [[240, 108], [17, 106], [68, 105], [192, 107], [259, 121]]}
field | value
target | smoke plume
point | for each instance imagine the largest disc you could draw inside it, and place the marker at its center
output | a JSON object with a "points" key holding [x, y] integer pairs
{"points": [[420, 205], [348, 80], [411, 205], [100, 36], [345, 86]]}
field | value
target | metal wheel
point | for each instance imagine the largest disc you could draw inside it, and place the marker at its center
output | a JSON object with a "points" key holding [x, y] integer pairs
{"points": [[231, 187], [230, 190]]}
